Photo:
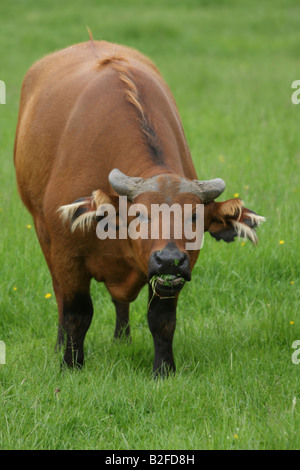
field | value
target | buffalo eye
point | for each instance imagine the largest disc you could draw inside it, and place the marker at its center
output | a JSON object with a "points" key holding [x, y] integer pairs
{"points": [[194, 218], [142, 217]]}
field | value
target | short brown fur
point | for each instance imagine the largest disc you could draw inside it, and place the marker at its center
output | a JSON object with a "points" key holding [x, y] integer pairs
{"points": [[84, 111]]}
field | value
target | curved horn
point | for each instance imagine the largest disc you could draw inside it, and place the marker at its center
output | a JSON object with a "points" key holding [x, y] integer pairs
{"points": [[209, 190], [123, 184], [130, 186]]}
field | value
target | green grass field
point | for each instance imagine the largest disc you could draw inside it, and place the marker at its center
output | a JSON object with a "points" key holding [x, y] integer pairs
{"points": [[230, 65]]}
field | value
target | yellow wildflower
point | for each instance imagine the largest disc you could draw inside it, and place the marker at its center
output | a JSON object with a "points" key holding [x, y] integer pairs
{"points": [[28, 226], [236, 195], [47, 296], [281, 242], [235, 436], [292, 322]]}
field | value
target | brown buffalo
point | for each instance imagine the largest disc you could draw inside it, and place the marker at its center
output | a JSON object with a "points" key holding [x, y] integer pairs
{"points": [[97, 121]]}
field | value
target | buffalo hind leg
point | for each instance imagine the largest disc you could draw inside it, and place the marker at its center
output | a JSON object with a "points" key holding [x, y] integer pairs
{"points": [[60, 342], [76, 319], [162, 322], [122, 329], [45, 244]]}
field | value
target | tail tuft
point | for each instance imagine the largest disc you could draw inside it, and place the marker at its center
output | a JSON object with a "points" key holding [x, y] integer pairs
{"points": [[90, 33]]}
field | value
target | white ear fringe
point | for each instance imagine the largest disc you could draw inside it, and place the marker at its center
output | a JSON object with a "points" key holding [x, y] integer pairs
{"points": [[255, 219], [84, 221], [243, 231], [69, 210]]}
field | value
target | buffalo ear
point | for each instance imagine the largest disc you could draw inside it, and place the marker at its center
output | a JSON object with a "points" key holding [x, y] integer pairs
{"points": [[82, 212], [231, 219], [221, 232]]}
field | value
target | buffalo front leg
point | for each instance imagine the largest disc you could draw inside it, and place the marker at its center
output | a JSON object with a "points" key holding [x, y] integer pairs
{"points": [[77, 313], [162, 322], [122, 329]]}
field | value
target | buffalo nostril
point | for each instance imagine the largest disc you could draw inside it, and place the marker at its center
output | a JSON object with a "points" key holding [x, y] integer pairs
{"points": [[169, 261], [157, 258], [182, 260]]}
